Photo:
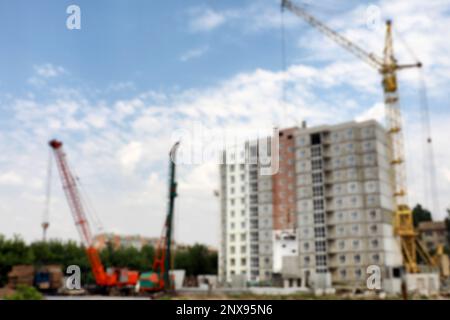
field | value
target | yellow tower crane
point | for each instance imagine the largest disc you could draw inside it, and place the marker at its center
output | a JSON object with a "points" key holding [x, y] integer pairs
{"points": [[387, 66]]}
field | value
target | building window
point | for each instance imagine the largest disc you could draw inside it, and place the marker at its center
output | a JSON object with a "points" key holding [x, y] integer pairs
{"points": [[355, 229], [232, 237], [307, 260], [243, 262], [232, 190], [358, 273], [343, 274], [341, 244], [243, 236], [373, 214], [232, 262], [232, 179], [301, 141], [355, 244], [357, 258], [373, 228], [337, 163], [317, 178], [351, 161], [320, 246], [374, 243], [306, 246], [319, 232], [342, 258], [335, 136], [232, 225], [302, 154], [376, 258], [350, 147], [350, 133], [316, 164], [321, 260], [316, 151], [232, 250], [319, 218], [318, 204], [317, 191], [371, 200], [355, 215], [232, 168]]}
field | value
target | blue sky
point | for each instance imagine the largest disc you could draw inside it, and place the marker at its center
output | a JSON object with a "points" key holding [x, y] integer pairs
{"points": [[139, 41], [137, 71]]}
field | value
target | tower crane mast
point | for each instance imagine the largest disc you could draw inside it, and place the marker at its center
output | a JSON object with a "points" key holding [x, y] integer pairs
{"points": [[387, 66]]}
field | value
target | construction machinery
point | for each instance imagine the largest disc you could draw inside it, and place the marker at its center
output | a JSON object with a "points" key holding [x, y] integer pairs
{"points": [[159, 279], [387, 66], [114, 278]]}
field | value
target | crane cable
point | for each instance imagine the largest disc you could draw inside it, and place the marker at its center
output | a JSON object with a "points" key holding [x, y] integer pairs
{"points": [[46, 214], [428, 149], [430, 182], [90, 211]]}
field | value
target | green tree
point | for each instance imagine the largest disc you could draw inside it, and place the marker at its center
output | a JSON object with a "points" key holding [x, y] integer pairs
{"points": [[420, 214], [196, 260], [447, 224], [12, 252], [25, 293]]}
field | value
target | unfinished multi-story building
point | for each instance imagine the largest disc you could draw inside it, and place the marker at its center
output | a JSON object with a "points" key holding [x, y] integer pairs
{"points": [[326, 215], [345, 203]]}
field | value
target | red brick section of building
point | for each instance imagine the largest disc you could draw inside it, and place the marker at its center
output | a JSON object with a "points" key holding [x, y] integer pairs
{"points": [[284, 183]]}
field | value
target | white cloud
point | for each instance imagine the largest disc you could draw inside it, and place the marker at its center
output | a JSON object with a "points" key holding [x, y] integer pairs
{"points": [[377, 112], [194, 53], [44, 72], [10, 179], [121, 86], [206, 19], [130, 155], [120, 148], [49, 70]]}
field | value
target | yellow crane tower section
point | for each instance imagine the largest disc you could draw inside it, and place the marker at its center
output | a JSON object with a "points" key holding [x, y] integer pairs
{"points": [[387, 66]]}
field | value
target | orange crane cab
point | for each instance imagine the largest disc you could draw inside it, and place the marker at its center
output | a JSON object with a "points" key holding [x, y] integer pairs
{"points": [[114, 278]]}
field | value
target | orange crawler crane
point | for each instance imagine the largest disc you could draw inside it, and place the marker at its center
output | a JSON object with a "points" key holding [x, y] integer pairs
{"points": [[118, 279]]}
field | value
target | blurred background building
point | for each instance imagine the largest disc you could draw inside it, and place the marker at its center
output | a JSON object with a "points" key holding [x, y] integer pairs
{"points": [[321, 220]]}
